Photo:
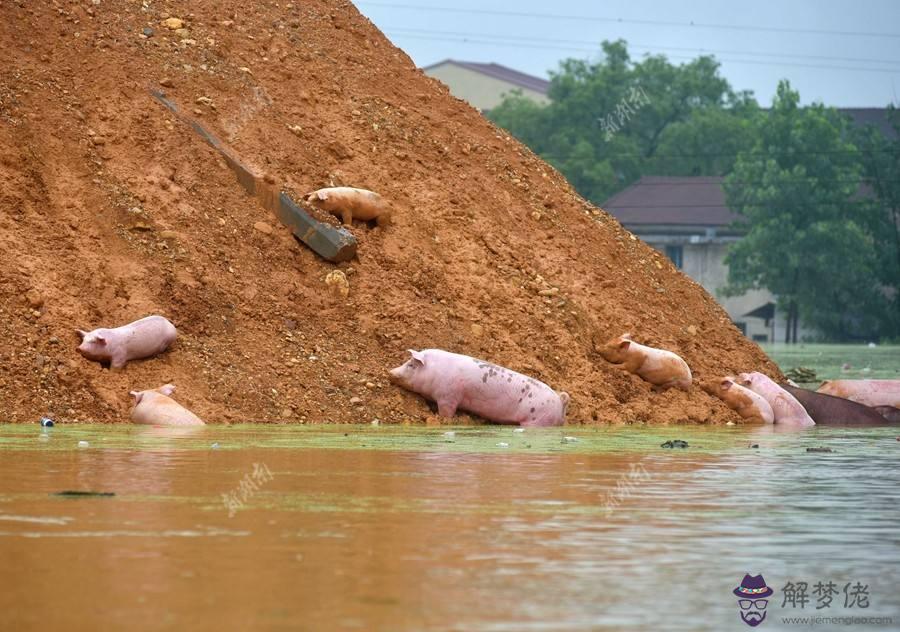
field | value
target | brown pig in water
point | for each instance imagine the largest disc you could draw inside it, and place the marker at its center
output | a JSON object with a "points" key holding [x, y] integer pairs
{"points": [[827, 409], [349, 203], [748, 404], [156, 407], [143, 338], [661, 368], [493, 392], [866, 392]]}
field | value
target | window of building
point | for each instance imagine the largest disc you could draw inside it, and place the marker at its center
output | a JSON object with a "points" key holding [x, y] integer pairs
{"points": [[742, 326], [676, 254], [760, 338]]}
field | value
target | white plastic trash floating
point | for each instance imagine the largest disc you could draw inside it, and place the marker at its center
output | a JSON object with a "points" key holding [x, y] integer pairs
{"points": [[215, 446], [502, 444], [519, 430], [449, 435], [83, 444], [569, 439]]}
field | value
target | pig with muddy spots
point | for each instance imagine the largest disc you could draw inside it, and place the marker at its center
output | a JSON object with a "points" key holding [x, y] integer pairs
{"points": [[143, 338], [494, 392]]}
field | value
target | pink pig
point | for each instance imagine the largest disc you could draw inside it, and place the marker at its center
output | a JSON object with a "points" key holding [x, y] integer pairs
{"points": [[143, 338], [493, 392], [661, 368], [748, 404], [866, 392], [158, 408], [788, 411]]}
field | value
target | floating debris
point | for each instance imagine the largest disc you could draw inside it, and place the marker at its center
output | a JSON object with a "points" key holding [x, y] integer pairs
{"points": [[46, 422], [519, 430], [215, 446], [819, 450], [754, 445], [449, 435], [802, 374], [502, 444], [675, 443], [569, 440], [83, 444], [72, 493]]}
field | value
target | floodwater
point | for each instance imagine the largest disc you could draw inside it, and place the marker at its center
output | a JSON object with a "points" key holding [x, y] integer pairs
{"points": [[404, 528]]}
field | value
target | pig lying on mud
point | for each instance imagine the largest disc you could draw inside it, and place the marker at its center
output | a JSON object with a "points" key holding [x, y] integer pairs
{"points": [[493, 392], [143, 338], [866, 392], [349, 204], [788, 411], [748, 404], [661, 368], [156, 407]]}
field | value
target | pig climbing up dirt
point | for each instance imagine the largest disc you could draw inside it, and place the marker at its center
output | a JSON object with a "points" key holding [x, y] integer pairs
{"points": [[661, 368], [349, 203], [157, 407], [143, 338], [866, 392], [748, 404], [493, 392], [788, 411]]}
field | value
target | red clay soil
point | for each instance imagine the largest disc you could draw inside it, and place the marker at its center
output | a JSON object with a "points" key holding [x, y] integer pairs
{"points": [[111, 209]]}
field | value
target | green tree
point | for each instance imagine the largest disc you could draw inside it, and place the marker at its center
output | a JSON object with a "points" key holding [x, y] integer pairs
{"points": [[809, 239], [881, 164], [608, 121]]}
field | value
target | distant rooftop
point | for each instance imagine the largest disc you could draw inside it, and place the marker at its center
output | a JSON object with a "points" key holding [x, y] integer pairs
{"points": [[521, 79], [877, 117], [687, 201]]}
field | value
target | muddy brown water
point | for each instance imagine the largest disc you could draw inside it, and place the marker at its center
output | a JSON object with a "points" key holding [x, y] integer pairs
{"points": [[392, 528]]}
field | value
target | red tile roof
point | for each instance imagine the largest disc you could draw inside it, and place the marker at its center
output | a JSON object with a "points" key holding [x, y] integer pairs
{"points": [[696, 201]]}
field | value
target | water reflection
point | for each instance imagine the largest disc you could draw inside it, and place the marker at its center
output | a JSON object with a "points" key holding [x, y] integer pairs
{"points": [[435, 539]]}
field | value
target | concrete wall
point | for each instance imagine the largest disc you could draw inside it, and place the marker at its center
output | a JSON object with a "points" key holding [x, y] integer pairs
{"points": [[481, 91], [703, 259]]}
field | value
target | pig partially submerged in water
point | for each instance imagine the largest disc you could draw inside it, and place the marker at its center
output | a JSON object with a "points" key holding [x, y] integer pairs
{"points": [[493, 392], [661, 368], [866, 392], [143, 338], [157, 407], [748, 404], [349, 203], [788, 411]]}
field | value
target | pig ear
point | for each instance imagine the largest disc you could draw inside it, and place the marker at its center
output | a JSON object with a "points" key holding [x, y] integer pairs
{"points": [[81, 333], [418, 356], [137, 395], [322, 195], [624, 344], [100, 339], [727, 383], [166, 389]]}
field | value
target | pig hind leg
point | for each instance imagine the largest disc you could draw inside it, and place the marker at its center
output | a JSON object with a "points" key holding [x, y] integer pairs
{"points": [[447, 406]]}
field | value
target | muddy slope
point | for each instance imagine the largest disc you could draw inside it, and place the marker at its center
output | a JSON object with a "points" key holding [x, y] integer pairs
{"points": [[111, 208]]}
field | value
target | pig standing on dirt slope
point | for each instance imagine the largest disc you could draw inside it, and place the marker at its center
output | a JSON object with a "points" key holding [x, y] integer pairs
{"points": [[867, 392], [156, 407], [661, 368], [748, 404], [788, 411], [349, 204], [493, 392], [143, 338]]}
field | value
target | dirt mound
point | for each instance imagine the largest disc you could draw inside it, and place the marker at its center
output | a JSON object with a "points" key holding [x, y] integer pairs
{"points": [[111, 209]]}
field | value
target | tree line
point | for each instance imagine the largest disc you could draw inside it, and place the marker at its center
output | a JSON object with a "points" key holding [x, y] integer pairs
{"points": [[818, 197]]}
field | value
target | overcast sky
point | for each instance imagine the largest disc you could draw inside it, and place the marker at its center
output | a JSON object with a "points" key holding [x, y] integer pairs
{"points": [[840, 52]]}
